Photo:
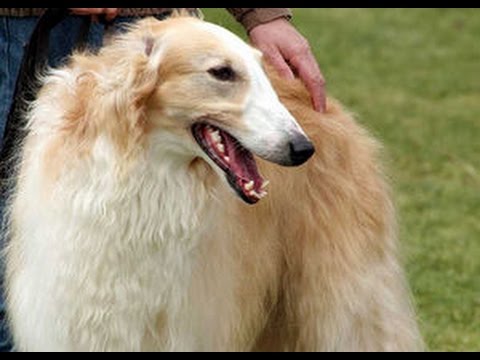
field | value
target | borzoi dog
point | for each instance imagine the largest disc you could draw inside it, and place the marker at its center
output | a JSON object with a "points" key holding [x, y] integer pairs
{"points": [[141, 220]]}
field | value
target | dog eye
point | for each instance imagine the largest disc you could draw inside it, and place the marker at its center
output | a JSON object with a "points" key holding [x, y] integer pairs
{"points": [[223, 73]]}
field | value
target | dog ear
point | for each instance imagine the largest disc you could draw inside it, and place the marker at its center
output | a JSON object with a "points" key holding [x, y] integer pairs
{"points": [[143, 79], [152, 50], [149, 44], [187, 12]]}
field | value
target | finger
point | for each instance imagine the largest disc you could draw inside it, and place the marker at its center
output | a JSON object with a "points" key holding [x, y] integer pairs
{"points": [[310, 74], [111, 13], [275, 58], [87, 11]]}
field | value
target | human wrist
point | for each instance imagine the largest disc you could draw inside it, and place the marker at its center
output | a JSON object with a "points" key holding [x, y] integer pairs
{"points": [[260, 16]]}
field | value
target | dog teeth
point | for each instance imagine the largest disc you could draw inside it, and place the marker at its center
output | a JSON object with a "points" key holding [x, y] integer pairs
{"points": [[249, 186], [217, 140], [253, 193], [265, 184], [216, 136], [227, 159]]}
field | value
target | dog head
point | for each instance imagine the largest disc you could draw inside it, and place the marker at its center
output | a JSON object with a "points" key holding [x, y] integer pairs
{"points": [[200, 91]]}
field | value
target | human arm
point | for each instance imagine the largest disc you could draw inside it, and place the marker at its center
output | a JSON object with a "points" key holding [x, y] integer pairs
{"points": [[284, 47], [109, 13]]}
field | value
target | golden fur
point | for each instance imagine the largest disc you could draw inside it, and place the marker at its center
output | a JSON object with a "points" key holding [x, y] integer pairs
{"points": [[340, 237], [312, 267]]}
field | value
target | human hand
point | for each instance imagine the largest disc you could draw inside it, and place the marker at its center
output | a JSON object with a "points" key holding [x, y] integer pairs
{"points": [[110, 13], [290, 54]]}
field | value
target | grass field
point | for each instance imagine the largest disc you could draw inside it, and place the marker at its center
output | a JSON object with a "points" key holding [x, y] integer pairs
{"points": [[413, 78]]}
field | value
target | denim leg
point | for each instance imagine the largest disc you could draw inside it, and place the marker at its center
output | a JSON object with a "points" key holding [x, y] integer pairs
{"points": [[4, 73], [14, 35], [64, 36]]}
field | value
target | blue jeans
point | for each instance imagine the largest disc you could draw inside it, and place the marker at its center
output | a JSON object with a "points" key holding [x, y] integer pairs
{"points": [[14, 35]]}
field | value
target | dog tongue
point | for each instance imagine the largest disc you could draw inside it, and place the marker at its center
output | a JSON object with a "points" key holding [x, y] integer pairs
{"points": [[236, 161], [242, 163]]}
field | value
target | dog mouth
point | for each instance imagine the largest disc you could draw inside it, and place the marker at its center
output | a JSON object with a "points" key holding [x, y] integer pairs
{"points": [[234, 159]]}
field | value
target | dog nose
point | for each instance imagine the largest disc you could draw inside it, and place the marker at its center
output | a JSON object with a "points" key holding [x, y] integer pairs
{"points": [[301, 149]]}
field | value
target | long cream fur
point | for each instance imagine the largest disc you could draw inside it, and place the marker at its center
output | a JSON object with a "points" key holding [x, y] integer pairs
{"points": [[119, 242]]}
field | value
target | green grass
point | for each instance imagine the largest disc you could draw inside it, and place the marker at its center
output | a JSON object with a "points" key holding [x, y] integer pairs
{"points": [[413, 78]]}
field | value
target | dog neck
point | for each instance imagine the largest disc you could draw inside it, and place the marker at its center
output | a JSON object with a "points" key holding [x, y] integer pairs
{"points": [[162, 193]]}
